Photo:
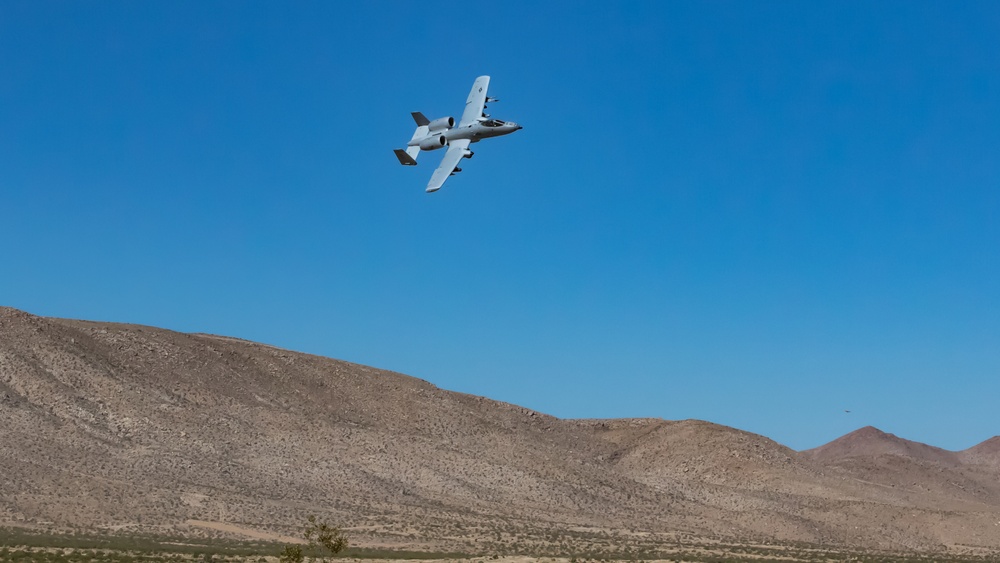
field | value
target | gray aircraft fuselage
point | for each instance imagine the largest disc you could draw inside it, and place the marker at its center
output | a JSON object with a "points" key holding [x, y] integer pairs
{"points": [[474, 132]]}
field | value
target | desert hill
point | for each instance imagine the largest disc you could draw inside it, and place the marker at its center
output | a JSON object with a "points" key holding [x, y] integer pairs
{"points": [[985, 453], [123, 427], [872, 442], [924, 475]]}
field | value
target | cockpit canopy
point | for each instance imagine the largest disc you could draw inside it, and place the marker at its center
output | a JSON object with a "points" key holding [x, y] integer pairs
{"points": [[493, 123]]}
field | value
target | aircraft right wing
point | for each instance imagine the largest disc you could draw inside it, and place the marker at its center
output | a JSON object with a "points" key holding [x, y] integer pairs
{"points": [[477, 99], [449, 164]]}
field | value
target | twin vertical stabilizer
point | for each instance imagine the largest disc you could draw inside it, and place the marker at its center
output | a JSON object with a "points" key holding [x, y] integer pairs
{"points": [[408, 157]]}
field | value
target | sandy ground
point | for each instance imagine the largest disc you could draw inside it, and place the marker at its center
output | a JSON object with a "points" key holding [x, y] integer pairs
{"points": [[247, 532]]}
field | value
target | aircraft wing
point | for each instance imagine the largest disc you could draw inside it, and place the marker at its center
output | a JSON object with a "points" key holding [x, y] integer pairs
{"points": [[477, 99], [456, 150]]}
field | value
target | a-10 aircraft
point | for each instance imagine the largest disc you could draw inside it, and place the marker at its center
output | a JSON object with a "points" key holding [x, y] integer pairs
{"points": [[474, 126]]}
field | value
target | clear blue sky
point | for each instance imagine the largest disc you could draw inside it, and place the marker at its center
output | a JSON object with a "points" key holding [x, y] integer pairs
{"points": [[754, 213]]}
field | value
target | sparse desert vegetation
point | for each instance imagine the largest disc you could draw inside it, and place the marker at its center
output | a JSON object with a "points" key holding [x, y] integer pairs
{"points": [[55, 548]]}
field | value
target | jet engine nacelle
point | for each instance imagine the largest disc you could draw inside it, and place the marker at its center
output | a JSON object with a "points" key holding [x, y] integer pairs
{"points": [[433, 143], [441, 124]]}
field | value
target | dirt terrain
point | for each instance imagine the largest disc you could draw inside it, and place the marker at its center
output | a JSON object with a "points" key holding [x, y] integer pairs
{"points": [[114, 427]]}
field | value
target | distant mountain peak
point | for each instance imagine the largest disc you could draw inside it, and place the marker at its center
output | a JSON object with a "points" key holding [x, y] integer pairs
{"points": [[872, 442]]}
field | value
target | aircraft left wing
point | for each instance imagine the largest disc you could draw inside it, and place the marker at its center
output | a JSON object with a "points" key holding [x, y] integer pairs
{"points": [[456, 150], [477, 99]]}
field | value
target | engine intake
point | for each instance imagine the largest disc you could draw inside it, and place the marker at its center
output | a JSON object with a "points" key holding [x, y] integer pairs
{"points": [[441, 124], [433, 143]]}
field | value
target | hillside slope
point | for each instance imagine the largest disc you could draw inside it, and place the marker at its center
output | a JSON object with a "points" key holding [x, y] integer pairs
{"points": [[124, 427]]}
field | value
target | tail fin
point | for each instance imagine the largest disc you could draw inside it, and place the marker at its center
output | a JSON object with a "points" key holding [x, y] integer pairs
{"points": [[408, 157]]}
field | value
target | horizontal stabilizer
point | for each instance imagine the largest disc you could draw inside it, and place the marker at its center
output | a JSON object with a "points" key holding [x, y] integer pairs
{"points": [[420, 119], [404, 158]]}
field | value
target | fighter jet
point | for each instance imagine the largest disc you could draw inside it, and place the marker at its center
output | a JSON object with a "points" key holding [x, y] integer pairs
{"points": [[474, 126]]}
